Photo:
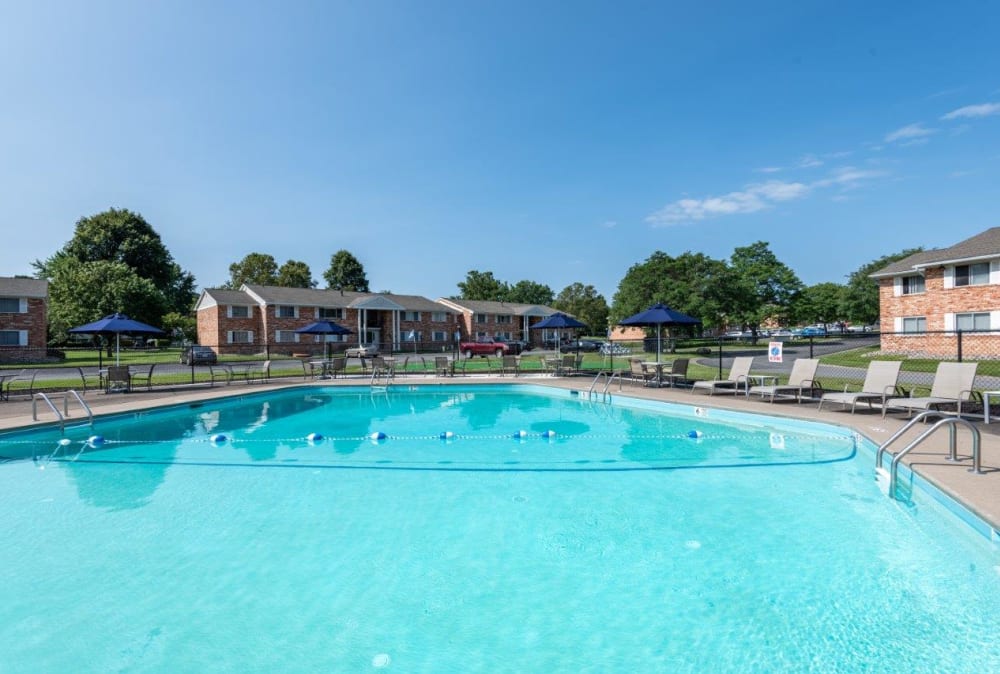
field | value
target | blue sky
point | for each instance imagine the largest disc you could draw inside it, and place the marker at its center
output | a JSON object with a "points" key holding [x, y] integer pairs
{"points": [[556, 142]]}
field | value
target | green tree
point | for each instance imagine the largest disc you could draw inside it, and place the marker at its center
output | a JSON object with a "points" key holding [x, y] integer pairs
{"points": [[588, 305], [346, 273], [820, 303], [295, 274], [184, 326], [81, 292], [483, 286], [861, 303], [143, 280], [689, 283], [762, 287], [529, 292], [256, 269]]}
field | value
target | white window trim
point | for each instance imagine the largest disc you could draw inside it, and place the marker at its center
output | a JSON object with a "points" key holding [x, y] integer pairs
{"points": [[229, 311], [229, 336], [295, 310]]}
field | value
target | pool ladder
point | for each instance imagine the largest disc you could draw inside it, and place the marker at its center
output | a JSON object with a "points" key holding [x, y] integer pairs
{"points": [[61, 416], [609, 378], [951, 423]]}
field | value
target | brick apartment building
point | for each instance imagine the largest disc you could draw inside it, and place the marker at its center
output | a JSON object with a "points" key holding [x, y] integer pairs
{"points": [[928, 297], [257, 317], [501, 319], [23, 317]]}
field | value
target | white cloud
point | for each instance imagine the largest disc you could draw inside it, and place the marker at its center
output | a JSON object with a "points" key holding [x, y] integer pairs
{"points": [[768, 169], [908, 132], [610, 224], [809, 161], [960, 174], [972, 111], [838, 155], [752, 198], [756, 197]]}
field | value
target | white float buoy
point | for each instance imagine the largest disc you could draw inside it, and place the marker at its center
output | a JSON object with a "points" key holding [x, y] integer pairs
{"points": [[520, 434], [447, 435], [381, 660], [63, 442], [548, 434], [377, 435]]}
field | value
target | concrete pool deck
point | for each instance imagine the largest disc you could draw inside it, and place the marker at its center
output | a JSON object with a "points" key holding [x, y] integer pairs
{"points": [[979, 493]]}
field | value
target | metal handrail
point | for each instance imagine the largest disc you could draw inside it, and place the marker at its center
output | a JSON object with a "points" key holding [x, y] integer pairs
{"points": [[950, 422], [609, 378], [65, 411]]}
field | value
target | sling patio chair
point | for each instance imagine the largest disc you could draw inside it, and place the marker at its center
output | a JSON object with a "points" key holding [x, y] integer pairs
{"points": [[678, 372], [952, 386], [880, 383], [738, 376], [802, 378]]}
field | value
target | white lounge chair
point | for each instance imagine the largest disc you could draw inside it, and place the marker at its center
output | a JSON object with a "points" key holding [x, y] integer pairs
{"points": [[952, 386], [738, 373], [802, 378], [880, 383]]}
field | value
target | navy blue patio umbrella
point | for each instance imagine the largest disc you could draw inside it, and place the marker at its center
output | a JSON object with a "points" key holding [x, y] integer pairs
{"points": [[117, 325], [558, 322], [324, 328], [659, 315]]}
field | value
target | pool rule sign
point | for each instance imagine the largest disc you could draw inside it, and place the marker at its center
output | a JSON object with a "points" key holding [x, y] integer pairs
{"points": [[774, 352]]}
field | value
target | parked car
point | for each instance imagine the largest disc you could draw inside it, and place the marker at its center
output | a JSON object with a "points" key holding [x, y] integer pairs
{"points": [[361, 351], [810, 331], [198, 355], [584, 345], [514, 346]]}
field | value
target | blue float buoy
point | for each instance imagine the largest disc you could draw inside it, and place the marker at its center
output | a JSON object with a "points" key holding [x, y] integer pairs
{"points": [[695, 434], [378, 435], [548, 434], [314, 437], [447, 435], [95, 440], [218, 438], [520, 434]]}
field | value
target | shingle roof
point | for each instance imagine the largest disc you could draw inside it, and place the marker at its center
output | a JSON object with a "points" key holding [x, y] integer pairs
{"points": [[513, 308], [225, 296], [983, 245], [335, 299], [23, 287]]}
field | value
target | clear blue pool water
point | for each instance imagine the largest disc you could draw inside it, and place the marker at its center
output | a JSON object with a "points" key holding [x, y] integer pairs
{"points": [[619, 544]]}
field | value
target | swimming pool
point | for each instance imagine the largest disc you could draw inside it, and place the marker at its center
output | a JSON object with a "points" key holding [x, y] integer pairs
{"points": [[638, 537]]}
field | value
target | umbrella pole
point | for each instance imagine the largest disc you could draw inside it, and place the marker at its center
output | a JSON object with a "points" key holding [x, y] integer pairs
{"points": [[118, 348], [658, 348]]}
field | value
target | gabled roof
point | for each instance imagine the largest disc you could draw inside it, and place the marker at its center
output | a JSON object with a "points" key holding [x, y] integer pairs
{"points": [[23, 287], [505, 308], [982, 246], [335, 299], [211, 297]]}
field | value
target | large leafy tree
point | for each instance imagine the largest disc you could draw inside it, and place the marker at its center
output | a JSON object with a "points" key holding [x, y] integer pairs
{"points": [[820, 303], [346, 273], [588, 305], [115, 261], [81, 292], [530, 292], [256, 269], [481, 285], [861, 303], [692, 283], [762, 287], [295, 274]]}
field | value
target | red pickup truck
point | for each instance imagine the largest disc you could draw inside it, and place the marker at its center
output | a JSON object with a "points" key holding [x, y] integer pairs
{"points": [[483, 347]]}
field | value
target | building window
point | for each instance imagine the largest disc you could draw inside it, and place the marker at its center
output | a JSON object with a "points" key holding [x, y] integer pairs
{"points": [[286, 311], [439, 316], [504, 319], [411, 316], [913, 285], [329, 338], [973, 321], [439, 336], [482, 336], [286, 336], [10, 338], [414, 336], [328, 314], [479, 318], [972, 274], [238, 311], [915, 324], [502, 335], [10, 305], [240, 337]]}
